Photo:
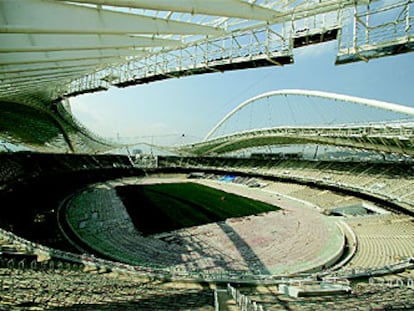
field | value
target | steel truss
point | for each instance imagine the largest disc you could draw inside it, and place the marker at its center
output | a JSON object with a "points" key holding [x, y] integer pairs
{"points": [[365, 30], [377, 30]]}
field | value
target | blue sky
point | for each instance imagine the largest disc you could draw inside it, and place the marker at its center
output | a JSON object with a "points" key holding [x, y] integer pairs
{"points": [[163, 111]]}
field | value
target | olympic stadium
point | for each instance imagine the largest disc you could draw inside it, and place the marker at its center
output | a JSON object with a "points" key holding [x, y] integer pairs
{"points": [[261, 214]]}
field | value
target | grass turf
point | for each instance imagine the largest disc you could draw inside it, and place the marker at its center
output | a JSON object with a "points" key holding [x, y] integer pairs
{"points": [[165, 207]]}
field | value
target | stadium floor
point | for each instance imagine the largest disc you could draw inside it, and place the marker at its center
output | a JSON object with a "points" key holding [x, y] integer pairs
{"points": [[296, 239]]}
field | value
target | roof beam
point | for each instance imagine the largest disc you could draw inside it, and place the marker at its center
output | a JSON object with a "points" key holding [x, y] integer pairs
{"points": [[228, 8], [37, 16], [48, 57], [99, 62], [43, 73], [19, 42], [40, 79]]}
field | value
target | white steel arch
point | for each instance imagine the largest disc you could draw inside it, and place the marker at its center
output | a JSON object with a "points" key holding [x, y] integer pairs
{"points": [[334, 96]]}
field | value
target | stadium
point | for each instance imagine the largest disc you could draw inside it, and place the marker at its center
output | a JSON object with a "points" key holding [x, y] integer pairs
{"points": [[261, 214]]}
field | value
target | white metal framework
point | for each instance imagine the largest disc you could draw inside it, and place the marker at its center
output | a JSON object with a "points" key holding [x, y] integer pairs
{"points": [[395, 138], [51, 50], [63, 48], [392, 137]]}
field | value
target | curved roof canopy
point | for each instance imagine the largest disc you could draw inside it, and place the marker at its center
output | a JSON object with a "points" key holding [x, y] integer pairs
{"points": [[60, 48], [51, 50]]}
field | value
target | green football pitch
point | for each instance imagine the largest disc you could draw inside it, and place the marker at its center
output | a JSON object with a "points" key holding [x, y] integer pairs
{"points": [[165, 207]]}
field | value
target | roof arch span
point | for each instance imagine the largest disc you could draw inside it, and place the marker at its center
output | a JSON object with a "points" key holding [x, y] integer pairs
{"points": [[313, 93]]}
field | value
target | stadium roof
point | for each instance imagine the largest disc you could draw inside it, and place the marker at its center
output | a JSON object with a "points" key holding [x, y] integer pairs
{"points": [[56, 49]]}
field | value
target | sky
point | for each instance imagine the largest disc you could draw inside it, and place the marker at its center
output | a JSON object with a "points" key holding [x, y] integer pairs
{"points": [[183, 110]]}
